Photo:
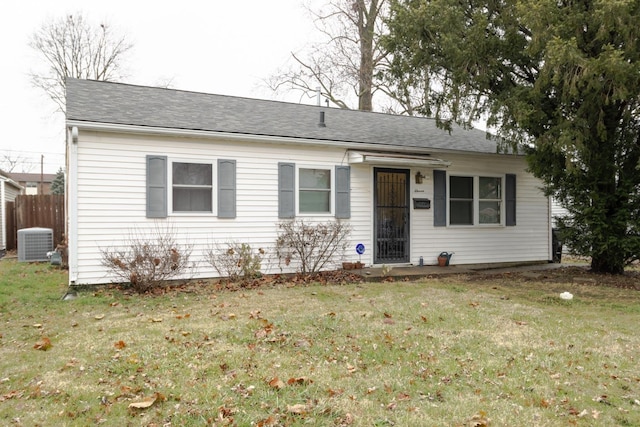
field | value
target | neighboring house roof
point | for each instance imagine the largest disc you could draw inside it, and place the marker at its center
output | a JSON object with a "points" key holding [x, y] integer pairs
{"points": [[90, 101], [33, 177], [4, 176]]}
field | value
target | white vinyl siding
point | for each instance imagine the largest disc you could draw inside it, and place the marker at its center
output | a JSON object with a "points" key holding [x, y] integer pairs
{"points": [[109, 170]]}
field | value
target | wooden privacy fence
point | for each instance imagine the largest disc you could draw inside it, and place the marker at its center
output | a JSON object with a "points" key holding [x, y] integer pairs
{"points": [[42, 210]]}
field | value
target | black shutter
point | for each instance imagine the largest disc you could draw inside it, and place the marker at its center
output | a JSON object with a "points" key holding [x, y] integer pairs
{"points": [[439, 198], [510, 198]]}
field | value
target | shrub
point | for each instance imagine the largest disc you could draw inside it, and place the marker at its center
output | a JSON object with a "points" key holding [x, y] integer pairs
{"points": [[148, 259], [313, 246], [236, 260]]}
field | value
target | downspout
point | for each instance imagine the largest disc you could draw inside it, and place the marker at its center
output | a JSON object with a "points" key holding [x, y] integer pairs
{"points": [[71, 200]]}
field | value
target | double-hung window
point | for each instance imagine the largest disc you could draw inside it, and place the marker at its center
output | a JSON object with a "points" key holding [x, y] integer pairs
{"points": [[475, 200], [305, 190], [314, 187], [192, 185]]}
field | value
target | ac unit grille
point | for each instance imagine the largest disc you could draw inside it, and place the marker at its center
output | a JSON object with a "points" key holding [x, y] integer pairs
{"points": [[34, 243]]}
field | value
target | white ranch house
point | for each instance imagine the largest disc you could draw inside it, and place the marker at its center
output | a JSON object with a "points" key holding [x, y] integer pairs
{"points": [[227, 169]]}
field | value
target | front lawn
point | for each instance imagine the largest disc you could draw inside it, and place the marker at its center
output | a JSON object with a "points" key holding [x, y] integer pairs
{"points": [[450, 351]]}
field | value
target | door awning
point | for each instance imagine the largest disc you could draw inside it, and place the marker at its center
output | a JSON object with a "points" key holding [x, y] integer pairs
{"points": [[396, 159]]}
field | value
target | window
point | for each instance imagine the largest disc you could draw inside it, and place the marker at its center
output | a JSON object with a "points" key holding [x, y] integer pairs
{"points": [[461, 200], [490, 198], [192, 187], [469, 200], [314, 190], [475, 200]]}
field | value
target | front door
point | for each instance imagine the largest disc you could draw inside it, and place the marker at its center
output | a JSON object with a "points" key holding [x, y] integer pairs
{"points": [[391, 215]]}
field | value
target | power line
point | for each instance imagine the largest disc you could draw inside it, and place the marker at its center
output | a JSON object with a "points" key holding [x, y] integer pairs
{"points": [[7, 150]]}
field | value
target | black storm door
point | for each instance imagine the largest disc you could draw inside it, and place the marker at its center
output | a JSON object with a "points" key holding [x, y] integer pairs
{"points": [[391, 215]]}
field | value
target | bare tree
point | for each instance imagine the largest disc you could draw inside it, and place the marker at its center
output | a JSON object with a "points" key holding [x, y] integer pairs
{"points": [[9, 162], [71, 47], [342, 66], [351, 63]]}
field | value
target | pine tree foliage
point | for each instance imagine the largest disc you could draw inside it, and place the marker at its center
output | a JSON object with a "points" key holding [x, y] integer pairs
{"points": [[57, 185], [560, 79]]}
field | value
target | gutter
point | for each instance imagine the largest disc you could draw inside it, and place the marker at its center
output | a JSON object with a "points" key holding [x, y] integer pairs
{"points": [[272, 139]]}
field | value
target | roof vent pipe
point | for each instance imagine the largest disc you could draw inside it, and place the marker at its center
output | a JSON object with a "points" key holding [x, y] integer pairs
{"points": [[322, 124]]}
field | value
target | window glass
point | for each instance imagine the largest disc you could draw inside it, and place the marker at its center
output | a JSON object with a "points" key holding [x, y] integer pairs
{"points": [[490, 193], [461, 200], [192, 187], [315, 190], [191, 174], [490, 188], [461, 187]]}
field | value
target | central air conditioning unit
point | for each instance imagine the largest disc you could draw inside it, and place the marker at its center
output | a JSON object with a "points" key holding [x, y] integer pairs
{"points": [[34, 243]]}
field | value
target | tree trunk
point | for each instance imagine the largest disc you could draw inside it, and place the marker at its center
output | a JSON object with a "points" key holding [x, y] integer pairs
{"points": [[366, 28], [607, 263]]}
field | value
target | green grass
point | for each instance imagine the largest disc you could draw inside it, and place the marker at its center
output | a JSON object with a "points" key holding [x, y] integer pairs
{"points": [[449, 351]]}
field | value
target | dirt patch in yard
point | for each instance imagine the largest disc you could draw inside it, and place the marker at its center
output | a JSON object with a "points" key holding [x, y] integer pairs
{"points": [[579, 275]]}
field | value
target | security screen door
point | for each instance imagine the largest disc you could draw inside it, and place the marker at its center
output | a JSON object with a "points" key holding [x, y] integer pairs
{"points": [[391, 215]]}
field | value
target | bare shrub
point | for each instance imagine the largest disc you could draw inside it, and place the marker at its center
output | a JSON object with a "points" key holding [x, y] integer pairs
{"points": [[147, 259], [313, 246], [234, 260]]}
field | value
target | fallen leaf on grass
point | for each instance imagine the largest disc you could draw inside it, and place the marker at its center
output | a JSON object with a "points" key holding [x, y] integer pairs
{"points": [[333, 392], [12, 394], [299, 381], [120, 345], [44, 344], [99, 316], [147, 402], [271, 421], [478, 420], [298, 409], [347, 420], [276, 383], [403, 396]]}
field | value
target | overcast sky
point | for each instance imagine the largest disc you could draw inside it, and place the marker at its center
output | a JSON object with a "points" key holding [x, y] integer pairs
{"points": [[215, 46]]}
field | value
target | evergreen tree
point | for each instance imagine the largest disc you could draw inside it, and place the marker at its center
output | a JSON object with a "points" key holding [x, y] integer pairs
{"points": [[57, 186], [559, 79]]}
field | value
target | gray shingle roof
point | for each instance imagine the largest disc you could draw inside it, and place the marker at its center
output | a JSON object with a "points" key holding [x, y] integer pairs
{"points": [[124, 104]]}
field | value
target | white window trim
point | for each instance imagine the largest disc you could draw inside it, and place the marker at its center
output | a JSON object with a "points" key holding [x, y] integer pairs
{"points": [[332, 193], [214, 188], [476, 201]]}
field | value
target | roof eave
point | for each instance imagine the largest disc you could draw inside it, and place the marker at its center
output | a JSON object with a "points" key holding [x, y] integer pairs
{"points": [[221, 135]]}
